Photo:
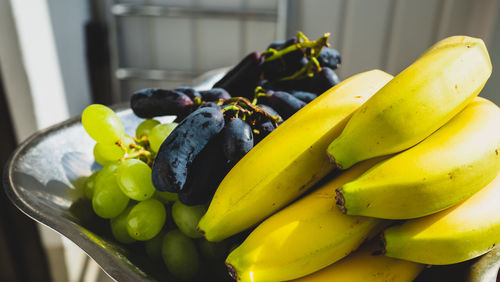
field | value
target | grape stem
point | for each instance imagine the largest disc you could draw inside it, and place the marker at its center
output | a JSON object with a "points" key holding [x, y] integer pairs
{"points": [[140, 153], [138, 150], [315, 46], [197, 101], [249, 110], [307, 70], [312, 65]]}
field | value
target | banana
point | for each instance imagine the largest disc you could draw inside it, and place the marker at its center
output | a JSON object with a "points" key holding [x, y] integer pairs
{"points": [[363, 265], [486, 268], [416, 102], [460, 233], [288, 161], [443, 170], [304, 237]]}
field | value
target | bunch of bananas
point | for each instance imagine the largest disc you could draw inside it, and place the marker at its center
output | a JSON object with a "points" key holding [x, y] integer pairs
{"points": [[419, 147]]}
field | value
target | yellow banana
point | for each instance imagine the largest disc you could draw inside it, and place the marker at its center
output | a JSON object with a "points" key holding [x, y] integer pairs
{"points": [[460, 233], [416, 102], [287, 162], [304, 237], [443, 170], [486, 267], [364, 266]]}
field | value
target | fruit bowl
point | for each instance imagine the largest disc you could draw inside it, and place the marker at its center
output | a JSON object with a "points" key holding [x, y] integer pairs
{"points": [[44, 179]]}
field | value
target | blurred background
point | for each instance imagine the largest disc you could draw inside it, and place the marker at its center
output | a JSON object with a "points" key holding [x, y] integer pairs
{"points": [[58, 56]]}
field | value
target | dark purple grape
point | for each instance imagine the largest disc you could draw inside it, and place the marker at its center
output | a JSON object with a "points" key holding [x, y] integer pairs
{"points": [[329, 57], [237, 139], [266, 126], [284, 66], [278, 45], [181, 147], [273, 70], [284, 103], [270, 110], [322, 81], [304, 61], [190, 92], [263, 129], [210, 105], [153, 102], [215, 94], [304, 96], [287, 85], [205, 174], [266, 84], [242, 79], [319, 83]]}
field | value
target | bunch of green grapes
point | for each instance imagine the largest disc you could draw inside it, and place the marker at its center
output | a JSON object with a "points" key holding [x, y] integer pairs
{"points": [[122, 191]]}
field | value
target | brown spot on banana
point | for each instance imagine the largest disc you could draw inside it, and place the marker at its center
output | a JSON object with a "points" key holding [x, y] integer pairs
{"points": [[381, 243], [332, 160], [232, 271], [339, 198]]}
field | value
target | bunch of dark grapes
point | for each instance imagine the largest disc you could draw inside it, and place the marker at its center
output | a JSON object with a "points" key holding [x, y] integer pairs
{"points": [[298, 66], [214, 132], [217, 127]]}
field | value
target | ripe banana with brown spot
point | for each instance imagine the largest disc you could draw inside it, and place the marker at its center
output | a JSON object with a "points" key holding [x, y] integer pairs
{"points": [[417, 102], [443, 170], [457, 234], [364, 265]]}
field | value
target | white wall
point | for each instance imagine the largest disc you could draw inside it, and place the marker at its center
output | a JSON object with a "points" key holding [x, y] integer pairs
{"points": [[68, 20], [390, 34], [14, 76]]}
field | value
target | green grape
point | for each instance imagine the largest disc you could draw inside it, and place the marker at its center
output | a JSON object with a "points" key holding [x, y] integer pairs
{"points": [[166, 197], [108, 200], [180, 255], [88, 188], [106, 172], [134, 178], [107, 153], [153, 246], [187, 217], [159, 133], [146, 219], [119, 227], [145, 127], [102, 124], [213, 250]]}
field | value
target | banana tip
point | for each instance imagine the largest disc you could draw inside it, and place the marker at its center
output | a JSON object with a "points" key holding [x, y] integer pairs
{"points": [[199, 230], [381, 244], [340, 200], [232, 271], [332, 160]]}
